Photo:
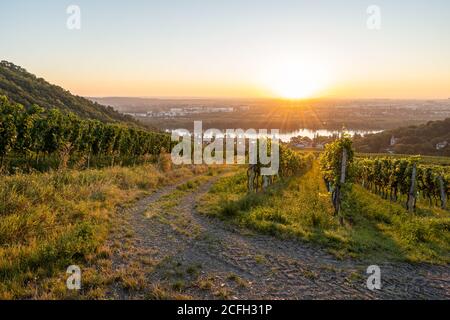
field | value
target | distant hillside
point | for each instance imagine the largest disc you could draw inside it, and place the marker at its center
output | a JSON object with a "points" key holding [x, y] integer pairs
{"points": [[25, 88], [432, 138]]}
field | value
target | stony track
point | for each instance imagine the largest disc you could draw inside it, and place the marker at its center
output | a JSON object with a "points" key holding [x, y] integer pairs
{"points": [[205, 258]]}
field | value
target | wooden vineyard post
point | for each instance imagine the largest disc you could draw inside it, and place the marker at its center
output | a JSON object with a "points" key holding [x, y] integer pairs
{"points": [[265, 182], [89, 158], [337, 194], [342, 181], [343, 166], [251, 174], [412, 190], [442, 192]]}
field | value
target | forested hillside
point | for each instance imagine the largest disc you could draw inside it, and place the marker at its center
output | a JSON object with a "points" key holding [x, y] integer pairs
{"points": [[432, 138], [25, 88]]}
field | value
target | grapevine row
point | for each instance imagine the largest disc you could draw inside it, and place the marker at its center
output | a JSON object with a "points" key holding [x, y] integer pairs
{"points": [[294, 163], [392, 178], [36, 132]]}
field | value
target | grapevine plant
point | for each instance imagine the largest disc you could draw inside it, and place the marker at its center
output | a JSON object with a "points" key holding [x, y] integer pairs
{"points": [[331, 163]]}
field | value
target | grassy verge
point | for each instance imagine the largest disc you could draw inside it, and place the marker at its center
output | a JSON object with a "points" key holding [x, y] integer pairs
{"points": [[300, 208], [53, 220], [386, 230]]}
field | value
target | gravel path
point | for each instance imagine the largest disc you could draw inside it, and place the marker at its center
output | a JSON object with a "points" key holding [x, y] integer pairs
{"points": [[206, 258]]}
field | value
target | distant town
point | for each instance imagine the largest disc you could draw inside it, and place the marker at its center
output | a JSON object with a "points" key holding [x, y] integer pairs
{"points": [[180, 112], [288, 116]]}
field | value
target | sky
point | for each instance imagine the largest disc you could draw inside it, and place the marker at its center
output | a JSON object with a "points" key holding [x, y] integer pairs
{"points": [[233, 48]]}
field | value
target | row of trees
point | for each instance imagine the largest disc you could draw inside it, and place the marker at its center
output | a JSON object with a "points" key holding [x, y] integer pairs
{"points": [[38, 133], [393, 178]]}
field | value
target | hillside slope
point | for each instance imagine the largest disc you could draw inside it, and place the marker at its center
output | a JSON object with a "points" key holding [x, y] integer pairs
{"points": [[421, 139], [25, 88]]}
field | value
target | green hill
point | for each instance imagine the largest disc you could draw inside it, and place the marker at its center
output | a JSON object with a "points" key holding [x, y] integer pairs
{"points": [[25, 88], [432, 138]]}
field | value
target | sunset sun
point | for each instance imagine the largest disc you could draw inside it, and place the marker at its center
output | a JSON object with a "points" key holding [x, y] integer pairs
{"points": [[295, 80], [294, 86]]}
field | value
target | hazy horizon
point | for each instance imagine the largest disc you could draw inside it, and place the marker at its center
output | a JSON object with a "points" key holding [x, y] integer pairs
{"points": [[262, 98]]}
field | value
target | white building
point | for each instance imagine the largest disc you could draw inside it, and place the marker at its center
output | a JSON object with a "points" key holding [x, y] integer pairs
{"points": [[441, 145], [393, 141], [320, 146]]}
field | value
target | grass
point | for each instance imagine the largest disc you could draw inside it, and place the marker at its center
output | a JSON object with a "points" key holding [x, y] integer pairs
{"points": [[165, 208], [238, 280], [52, 220], [420, 237], [300, 208]]}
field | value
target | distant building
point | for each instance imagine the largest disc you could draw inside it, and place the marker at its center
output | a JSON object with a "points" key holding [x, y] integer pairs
{"points": [[393, 141], [135, 114], [300, 145], [441, 145], [221, 109]]}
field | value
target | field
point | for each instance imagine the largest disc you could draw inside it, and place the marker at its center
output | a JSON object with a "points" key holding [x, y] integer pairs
{"points": [[108, 199], [224, 150], [52, 220], [155, 232], [300, 208]]}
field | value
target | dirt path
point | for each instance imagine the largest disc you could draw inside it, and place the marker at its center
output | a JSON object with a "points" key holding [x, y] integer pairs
{"points": [[179, 252]]}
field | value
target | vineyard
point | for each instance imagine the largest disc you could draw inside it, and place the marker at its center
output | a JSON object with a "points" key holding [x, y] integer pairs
{"points": [[291, 163], [395, 179], [390, 178], [378, 208], [31, 138]]}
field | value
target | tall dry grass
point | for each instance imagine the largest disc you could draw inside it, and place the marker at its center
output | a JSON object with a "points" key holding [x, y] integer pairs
{"points": [[52, 220]]}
